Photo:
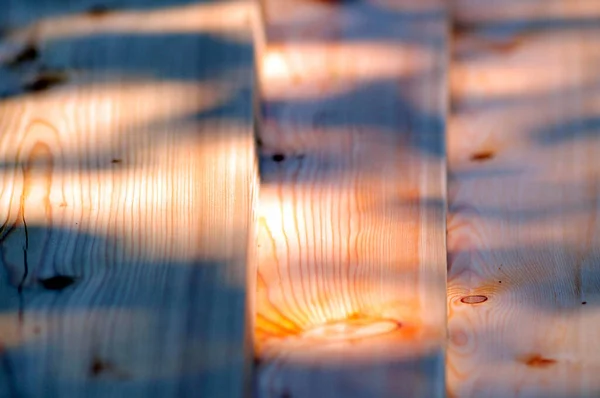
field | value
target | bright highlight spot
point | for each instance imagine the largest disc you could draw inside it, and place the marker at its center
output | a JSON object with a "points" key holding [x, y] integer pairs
{"points": [[350, 329], [274, 65]]}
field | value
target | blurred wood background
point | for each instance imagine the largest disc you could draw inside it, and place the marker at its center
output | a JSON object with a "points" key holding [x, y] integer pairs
{"points": [[426, 223], [523, 197], [352, 260]]}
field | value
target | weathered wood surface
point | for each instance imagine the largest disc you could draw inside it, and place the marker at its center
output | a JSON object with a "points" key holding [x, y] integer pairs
{"points": [[524, 178], [352, 259], [127, 178]]}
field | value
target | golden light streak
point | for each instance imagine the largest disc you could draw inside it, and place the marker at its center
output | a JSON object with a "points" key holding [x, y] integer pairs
{"points": [[351, 329], [314, 299]]}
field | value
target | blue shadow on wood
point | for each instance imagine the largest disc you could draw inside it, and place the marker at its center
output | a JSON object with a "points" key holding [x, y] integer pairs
{"points": [[126, 327]]}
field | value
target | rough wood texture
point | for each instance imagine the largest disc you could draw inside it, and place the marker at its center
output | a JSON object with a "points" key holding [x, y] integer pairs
{"points": [[523, 234], [352, 270], [127, 178]]}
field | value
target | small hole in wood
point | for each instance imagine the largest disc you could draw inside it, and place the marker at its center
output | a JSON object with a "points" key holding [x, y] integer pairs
{"points": [[482, 156], [476, 299], [583, 302], [98, 367], [45, 81], [98, 11], [116, 161], [461, 28], [27, 54], [58, 282], [278, 157], [538, 361]]}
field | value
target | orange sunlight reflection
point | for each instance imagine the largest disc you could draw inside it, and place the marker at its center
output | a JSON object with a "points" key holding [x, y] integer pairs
{"points": [[351, 329], [373, 293], [343, 264]]}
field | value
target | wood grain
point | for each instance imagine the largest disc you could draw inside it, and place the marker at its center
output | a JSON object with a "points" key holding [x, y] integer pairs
{"points": [[523, 234], [352, 272], [127, 192]]}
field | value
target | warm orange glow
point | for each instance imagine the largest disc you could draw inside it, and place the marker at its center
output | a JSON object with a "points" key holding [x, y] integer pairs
{"points": [[314, 300], [351, 329], [274, 66], [340, 262], [357, 339]]}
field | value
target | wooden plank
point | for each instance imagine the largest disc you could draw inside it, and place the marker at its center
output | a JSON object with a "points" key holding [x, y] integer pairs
{"points": [[523, 234], [127, 185], [18, 13], [352, 261]]}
